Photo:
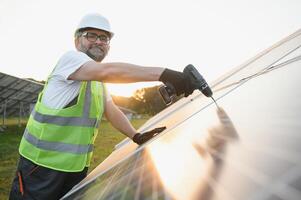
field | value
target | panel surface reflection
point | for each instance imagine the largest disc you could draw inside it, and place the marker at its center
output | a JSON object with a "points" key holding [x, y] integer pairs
{"points": [[187, 163]]}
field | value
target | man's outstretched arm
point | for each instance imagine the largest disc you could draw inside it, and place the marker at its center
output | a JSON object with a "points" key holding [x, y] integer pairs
{"points": [[116, 72], [130, 73]]}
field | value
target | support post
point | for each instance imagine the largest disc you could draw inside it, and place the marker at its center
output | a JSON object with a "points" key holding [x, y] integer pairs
{"points": [[4, 113], [20, 113]]}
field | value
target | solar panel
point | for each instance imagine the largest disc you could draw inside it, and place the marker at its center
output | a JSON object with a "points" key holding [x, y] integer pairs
{"points": [[248, 149]]}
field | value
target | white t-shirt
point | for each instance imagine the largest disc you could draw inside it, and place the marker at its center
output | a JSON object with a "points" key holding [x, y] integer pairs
{"points": [[60, 91]]}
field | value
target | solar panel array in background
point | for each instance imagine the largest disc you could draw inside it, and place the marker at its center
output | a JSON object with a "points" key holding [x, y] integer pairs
{"points": [[16, 95]]}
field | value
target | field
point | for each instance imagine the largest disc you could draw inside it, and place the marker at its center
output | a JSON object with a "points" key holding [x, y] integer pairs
{"points": [[107, 138]]}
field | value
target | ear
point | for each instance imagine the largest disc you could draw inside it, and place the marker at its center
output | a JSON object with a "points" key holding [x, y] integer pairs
{"points": [[76, 42]]}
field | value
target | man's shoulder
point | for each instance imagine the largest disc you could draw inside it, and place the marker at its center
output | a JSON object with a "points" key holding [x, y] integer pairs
{"points": [[68, 63], [73, 59], [72, 54]]}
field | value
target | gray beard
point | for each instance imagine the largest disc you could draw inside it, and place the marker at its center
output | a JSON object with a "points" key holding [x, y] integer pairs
{"points": [[96, 56], [94, 53]]}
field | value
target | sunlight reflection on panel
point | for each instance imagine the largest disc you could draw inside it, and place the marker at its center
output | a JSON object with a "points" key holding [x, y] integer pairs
{"points": [[189, 162], [169, 160]]}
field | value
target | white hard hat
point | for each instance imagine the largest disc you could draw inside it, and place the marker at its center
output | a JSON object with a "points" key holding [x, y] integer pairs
{"points": [[95, 20]]}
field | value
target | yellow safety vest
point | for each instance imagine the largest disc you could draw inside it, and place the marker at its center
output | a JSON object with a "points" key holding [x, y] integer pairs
{"points": [[62, 139]]}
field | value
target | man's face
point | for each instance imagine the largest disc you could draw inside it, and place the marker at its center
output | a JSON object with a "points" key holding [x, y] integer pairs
{"points": [[95, 43]]}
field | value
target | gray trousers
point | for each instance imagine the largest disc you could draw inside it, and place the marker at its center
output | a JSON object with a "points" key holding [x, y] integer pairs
{"points": [[36, 182]]}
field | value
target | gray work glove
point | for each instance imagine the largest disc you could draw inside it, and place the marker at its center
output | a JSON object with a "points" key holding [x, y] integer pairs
{"points": [[181, 81], [141, 138]]}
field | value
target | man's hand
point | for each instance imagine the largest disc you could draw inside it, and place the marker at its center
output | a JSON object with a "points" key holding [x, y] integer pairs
{"points": [[179, 80], [141, 138]]}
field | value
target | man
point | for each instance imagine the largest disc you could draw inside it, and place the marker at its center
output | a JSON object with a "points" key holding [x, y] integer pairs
{"points": [[57, 144]]}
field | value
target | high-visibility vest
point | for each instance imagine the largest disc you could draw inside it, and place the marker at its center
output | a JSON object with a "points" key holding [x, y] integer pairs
{"points": [[62, 139]]}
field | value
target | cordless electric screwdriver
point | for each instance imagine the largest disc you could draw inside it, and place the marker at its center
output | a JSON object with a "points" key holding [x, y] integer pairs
{"points": [[168, 92]]}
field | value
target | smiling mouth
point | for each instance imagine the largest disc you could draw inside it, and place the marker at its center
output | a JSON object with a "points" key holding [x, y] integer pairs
{"points": [[97, 49]]}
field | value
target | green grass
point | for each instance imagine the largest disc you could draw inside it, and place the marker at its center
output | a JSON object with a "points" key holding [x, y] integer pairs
{"points": [[9, 142], [107, 138]]}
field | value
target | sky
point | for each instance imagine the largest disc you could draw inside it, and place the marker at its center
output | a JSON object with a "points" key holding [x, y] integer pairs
{"points": [[214, 35]]}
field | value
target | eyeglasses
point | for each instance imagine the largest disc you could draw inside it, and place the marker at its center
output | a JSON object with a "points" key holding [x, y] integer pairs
{"points": [[92, 37]]}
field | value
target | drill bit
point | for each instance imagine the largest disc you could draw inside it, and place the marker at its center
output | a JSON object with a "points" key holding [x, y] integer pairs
{"points": [[214, 101]]}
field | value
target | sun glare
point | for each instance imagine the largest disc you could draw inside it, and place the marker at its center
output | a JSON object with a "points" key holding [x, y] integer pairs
{"points": [[174, 163]]}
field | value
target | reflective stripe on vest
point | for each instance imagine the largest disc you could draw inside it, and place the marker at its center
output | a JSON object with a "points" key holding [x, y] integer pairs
{"points": [[57, 146], [84, 120], [64, 121]]}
